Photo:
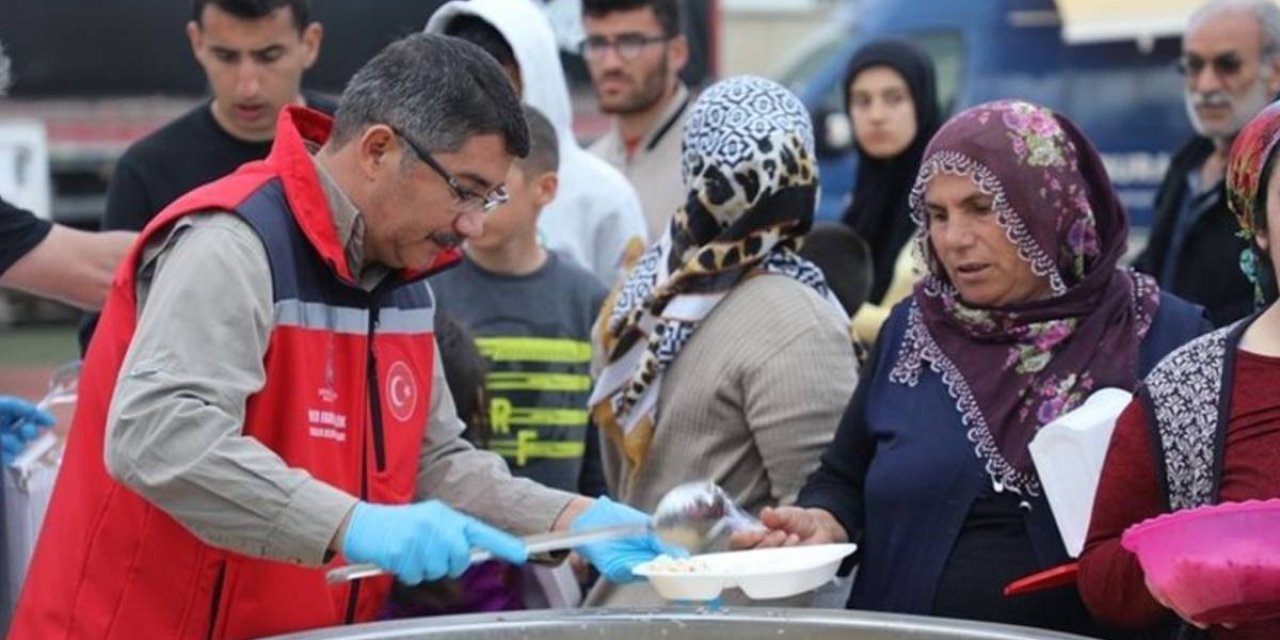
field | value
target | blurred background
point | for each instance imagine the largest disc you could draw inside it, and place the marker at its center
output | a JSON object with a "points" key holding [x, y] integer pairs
{"points": [[92, 77]]}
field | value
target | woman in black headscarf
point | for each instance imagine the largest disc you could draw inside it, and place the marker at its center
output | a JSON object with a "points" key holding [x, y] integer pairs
{"points": [[891, 97]]}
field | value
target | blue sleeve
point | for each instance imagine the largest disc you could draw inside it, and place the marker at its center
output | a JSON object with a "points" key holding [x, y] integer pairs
{"points": [[837, 485], [1177, 322]]}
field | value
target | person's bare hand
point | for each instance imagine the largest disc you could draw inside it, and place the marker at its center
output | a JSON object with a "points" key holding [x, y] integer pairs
{"points": [[790, 526]]}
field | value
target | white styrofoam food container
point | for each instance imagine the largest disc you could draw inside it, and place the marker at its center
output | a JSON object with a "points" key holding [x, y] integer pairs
{"points": [[1068, 454], [761, 574]]}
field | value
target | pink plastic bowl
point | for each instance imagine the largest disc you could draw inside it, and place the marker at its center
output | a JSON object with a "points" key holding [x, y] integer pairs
{"points": [[1217, 564]]}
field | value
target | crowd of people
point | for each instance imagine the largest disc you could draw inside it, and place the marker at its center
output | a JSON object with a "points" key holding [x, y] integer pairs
{"points": [[420, 318]]}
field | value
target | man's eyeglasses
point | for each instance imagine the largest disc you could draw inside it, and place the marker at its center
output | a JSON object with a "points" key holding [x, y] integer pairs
{"points": [[465, 200], [628, 45], [1224, 65]]}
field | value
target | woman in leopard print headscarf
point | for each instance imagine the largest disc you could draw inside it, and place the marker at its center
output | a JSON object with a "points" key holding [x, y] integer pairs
{"points": [[726, 356]]}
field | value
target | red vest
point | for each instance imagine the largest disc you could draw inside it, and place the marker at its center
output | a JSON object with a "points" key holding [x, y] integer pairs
{"points": [[348, 383]]}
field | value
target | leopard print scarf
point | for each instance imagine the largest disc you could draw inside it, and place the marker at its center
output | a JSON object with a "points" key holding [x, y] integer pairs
{"points": [[751, 177]]}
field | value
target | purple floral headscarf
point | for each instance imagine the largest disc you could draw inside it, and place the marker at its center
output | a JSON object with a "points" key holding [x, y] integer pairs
{"points": [[1013, 369]]}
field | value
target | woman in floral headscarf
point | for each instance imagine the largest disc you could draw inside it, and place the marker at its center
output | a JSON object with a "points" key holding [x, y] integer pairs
{"points": [[728, 359], [1232, 373], [1022, 313]]}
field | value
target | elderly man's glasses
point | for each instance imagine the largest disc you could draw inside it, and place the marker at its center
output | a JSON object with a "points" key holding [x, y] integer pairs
{"points": [[628, 45], [465, 200], [1224, 65]]}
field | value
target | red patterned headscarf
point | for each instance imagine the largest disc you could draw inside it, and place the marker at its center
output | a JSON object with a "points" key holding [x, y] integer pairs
{"points": [[1247, 171]]}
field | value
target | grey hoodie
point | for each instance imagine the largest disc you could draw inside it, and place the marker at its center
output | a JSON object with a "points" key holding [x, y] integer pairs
{"points": [[595, 214]]}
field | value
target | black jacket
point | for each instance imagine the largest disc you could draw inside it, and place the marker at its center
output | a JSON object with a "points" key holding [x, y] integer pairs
{"points": [[1209, 271]]}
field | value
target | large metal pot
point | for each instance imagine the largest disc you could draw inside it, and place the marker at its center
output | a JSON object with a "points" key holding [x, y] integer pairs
{"points": [[667, 624]]}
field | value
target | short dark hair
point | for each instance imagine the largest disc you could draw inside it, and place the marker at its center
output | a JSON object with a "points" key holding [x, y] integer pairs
{"points": [[845, 260], [544, 145], [466, 372], [479, 32], [253, 9], [439, 91], [668, 12]]}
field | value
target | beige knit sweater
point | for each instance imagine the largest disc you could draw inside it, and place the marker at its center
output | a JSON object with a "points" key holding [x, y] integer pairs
{"points": [[750, 403]]}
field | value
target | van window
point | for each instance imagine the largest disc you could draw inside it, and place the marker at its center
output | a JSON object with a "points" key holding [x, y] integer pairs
{"points": [[947, 50], [815, 55]]}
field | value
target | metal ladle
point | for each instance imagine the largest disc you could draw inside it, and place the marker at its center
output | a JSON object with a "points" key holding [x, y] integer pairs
{"points": [[700, 517], [697, 516], [63, 389]]}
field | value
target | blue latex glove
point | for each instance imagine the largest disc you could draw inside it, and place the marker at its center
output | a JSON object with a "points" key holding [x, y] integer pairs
{"points": [[423, 541], [20, 423], [614, 559]]}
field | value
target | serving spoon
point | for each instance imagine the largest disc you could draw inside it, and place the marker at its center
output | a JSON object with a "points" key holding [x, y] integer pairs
{"points": [[697, 516]]}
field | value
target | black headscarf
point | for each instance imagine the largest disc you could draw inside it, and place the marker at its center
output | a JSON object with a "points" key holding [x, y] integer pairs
{"points": [[879, 211]]}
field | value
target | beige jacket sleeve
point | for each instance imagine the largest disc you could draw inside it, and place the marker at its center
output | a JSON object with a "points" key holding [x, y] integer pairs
{"points": [[795, 393], [476, 481], [174, 428]]}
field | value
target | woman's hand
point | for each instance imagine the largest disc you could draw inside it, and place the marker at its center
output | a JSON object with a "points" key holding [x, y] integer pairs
{"points": [[789, 527]]}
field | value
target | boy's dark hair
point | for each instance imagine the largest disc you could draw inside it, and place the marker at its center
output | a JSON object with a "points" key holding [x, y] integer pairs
{"points": [[668, 12], [466, 371], [544, 145], [479, 32], [844, 259], [253, 9]]}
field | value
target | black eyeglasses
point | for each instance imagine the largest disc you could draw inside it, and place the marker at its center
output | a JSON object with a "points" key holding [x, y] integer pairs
{"points": [[628, 45], [1224, 65], [465, 200]]}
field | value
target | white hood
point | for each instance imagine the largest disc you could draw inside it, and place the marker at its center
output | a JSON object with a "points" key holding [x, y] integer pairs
{"points": [[596, 217], [534, 43]]}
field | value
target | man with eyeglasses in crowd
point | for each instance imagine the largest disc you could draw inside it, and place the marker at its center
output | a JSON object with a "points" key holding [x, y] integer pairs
{"points": [[1231, 64], [264, 399], [635, 50]]}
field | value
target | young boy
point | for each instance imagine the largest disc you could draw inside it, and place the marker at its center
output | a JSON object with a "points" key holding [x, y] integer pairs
{"points": [[531, 312]]}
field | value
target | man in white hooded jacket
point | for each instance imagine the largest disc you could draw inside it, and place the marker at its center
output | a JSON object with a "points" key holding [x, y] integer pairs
{"points": [[596, 218]]}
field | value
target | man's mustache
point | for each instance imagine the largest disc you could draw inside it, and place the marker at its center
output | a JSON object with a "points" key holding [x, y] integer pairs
{"points": [[446, 239], [1211, 99]]}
